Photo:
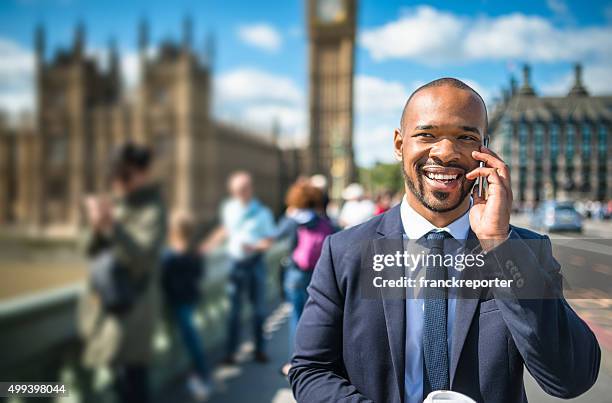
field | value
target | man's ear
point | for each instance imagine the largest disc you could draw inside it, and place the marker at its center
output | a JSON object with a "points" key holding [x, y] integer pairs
{"points": [[398, 142]]}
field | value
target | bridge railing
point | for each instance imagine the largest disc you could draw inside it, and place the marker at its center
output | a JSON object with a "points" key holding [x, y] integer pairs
{"points": [[39, 340]]}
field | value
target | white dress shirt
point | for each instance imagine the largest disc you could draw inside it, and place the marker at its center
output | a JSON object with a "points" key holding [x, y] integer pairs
{"points": [[415, 227]]}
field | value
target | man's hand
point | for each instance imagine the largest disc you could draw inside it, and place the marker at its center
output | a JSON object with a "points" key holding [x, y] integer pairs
{"points": [[259, 246], [490, 215], [216, 238]]}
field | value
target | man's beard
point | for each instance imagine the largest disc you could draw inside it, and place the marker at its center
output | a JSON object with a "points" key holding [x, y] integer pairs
{"points": [[418, 190]]}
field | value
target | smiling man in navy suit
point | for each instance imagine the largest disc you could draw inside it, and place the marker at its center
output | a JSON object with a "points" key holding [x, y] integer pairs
{"points": [[353, 348]]}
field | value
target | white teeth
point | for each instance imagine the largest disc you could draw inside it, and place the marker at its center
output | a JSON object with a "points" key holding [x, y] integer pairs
{"points": [[432, 175]]}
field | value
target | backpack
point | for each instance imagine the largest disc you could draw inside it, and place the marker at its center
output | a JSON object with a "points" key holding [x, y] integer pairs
{"points": [[310, 243], [116, 286]]}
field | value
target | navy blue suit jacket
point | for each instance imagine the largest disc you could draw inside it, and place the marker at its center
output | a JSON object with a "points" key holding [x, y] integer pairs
{"points": [[352, 349]]}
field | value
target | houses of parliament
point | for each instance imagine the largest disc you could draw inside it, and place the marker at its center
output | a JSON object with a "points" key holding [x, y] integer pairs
{"points": [[83, 114]]}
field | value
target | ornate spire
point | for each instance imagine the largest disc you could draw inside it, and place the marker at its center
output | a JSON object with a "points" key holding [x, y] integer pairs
{"points": [[209, 49], [79, 38], [113, 56], [39, 44], [187, 32], [143, 37], [578, 89], [526, 88]]}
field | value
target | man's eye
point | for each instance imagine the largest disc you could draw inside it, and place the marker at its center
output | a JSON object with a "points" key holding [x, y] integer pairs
{"points": [[470, 138], [428, 135]]}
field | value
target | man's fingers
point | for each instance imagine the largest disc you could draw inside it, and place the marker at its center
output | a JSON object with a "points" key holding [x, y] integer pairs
{"points": [[481, 172], [493, 177], [502, 171], [493, 160], [487, 150], [477, 199], [489, 159], [494, 180]]}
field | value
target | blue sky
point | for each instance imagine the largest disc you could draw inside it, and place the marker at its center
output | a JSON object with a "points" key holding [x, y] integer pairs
{"points": [[260, 65]]}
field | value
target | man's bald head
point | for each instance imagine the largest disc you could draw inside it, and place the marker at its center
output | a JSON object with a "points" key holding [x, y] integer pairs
{"points": [[443, 122], [441, 82], [240, 185]]}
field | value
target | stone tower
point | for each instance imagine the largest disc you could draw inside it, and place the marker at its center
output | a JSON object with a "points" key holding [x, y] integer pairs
{"points": [[82, 114], [55, 165], [331, 27], [173, 117]]}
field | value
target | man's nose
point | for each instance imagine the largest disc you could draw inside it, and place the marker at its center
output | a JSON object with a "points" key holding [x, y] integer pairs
{"points": [[445, 150]]}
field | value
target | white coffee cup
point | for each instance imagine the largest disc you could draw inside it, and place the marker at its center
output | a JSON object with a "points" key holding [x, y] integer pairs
{"points": [[447, 396]]}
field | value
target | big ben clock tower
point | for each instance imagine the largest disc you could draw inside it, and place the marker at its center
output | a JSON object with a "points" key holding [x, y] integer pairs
{"points": [[331, 26]]}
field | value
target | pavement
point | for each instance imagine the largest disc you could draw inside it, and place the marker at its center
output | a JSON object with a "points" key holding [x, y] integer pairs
{"points": [[247, 381], [256, 383], [262, 383]]}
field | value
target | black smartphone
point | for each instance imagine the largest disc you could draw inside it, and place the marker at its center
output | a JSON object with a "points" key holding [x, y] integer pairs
{"points": [[481, 179]]}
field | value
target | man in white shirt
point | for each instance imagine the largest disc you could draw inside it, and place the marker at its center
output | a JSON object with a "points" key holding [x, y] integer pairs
{"points": [[248, 226], [356, 208]]}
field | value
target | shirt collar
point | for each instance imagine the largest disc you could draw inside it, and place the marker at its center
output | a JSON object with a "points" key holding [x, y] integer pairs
{"points": [[416, 226]]}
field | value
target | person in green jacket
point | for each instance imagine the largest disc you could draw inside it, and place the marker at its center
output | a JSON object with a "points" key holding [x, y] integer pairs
{"points": [[131, 229]]}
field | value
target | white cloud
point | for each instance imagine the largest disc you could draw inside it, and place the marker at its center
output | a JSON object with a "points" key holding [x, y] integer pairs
{"points": [[16, 77], [374, 143], [377, 96], [15, 59], [430, 36], [595, 77], [378, 108], [425, 33], [484, 92], [263, 36], [561, 11], [260, 99], [291, 119], [130, 68], [129, 63], [17, 102], [247, 84], [558, 7]]}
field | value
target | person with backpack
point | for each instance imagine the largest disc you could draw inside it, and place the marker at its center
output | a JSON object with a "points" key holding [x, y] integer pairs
{"points": [[117, 312], [306, 228]]}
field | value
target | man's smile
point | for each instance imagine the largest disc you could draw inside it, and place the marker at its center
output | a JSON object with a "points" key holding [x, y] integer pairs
{"points": [[445, 179]]}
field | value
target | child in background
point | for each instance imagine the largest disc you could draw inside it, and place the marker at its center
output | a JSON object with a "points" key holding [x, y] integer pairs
{"points": [[182, 269]]}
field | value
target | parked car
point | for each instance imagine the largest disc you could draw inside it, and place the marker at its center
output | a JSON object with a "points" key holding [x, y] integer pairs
{"points": [[554, 216]]}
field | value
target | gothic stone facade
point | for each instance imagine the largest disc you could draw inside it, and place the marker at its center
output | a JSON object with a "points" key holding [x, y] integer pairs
{"points": [[83, 113], [556, 147]]}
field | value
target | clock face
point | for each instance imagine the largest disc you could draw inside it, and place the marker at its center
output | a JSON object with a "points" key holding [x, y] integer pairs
{"points": [[330, 10]]}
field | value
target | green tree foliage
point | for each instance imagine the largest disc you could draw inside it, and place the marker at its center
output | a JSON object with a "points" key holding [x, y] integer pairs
{"points": [[381, 177]]}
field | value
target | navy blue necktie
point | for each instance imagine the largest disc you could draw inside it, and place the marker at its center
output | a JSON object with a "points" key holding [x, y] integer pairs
{"points": [[435, 347]]}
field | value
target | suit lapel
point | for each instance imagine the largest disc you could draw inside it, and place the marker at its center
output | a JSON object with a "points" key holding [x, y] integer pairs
{"points": [[464, 314], [394, 305]]}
